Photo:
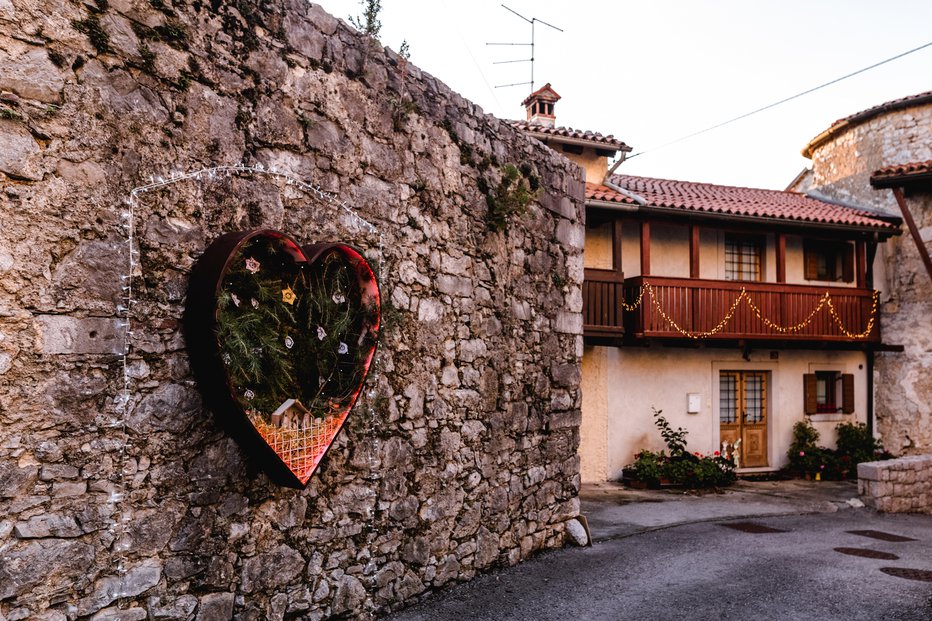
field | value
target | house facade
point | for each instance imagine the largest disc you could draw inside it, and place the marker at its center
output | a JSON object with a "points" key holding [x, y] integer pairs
{"points": [[737, 312]]}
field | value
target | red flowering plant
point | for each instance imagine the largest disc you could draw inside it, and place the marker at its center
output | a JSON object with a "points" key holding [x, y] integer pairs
{"points": [[855, 445], [679, 467]]}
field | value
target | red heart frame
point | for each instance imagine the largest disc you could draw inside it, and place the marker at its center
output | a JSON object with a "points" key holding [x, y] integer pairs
{"points": [[290, 455]]}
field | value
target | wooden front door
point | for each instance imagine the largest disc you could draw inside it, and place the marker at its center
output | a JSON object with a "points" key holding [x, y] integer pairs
{"points": [[743, 415]]}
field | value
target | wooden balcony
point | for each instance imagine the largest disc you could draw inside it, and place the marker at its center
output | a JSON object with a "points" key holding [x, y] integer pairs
{"points": [[715, 310], [603, 296]]}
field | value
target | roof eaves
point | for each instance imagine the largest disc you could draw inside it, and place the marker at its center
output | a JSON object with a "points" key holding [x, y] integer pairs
{"points": [[865, 115], [902, 175], [885, 229]]}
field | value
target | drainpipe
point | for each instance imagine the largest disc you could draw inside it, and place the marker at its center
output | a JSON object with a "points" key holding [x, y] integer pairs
{"points": [[869, 282], [870, 392], [611, 170], [640, 200]]}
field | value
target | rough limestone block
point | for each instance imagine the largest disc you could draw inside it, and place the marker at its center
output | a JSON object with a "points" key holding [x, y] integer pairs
{"points": [[870, 471], [19, 156], [63, 334], [577, 532], [29, 73]]}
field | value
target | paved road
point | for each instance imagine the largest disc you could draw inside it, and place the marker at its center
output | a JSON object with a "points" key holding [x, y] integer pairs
{"points": [[705, 570]]}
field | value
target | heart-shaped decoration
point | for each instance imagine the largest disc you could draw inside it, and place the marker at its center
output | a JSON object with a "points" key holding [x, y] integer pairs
{"points": [[281, 338]]}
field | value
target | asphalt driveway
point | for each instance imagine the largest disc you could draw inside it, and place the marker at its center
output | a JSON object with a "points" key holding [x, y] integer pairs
{"points": [[697, 563]]}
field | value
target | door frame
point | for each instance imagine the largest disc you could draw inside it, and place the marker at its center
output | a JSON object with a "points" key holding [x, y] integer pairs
{"points": [[773, 381]]}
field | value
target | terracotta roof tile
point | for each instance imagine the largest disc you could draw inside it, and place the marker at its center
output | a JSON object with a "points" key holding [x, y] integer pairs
{"points": [[597, 139], [736, 201], [598, 192], [887, 106], [905, 169], [545, 92], [865, 115], [902, 173]]}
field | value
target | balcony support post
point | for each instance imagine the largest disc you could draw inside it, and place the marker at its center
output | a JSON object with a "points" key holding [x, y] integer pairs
{"points": [[861, 263], [694, 251], [645, 248], [781, 257], [616, 245]]}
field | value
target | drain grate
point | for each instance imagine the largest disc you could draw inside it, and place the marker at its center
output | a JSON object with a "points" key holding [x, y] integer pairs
{"points": [[886, 556], [879, 534], [752, 527], [922, 575]]}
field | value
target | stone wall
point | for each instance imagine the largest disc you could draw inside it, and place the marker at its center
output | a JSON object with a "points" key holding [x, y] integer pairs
{"points": [[841, 168], [462, 454], [901, 485]]}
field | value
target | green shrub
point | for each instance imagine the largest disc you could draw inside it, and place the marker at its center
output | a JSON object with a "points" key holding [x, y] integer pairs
{"points": [[855, 445], [679, 467], [647, 467], [675, 438]]}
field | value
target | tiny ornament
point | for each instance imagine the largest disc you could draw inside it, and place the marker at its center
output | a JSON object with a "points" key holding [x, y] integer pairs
{"points": [[321, 333], [342, 349], [252, 265], [288, 296], [235, 299], [250, 395], [289, 342], [338, 298], [254, 302]]}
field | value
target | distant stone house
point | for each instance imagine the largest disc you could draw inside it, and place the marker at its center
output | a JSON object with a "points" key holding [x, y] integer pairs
{"points": [[737, 312], [859, 159]]}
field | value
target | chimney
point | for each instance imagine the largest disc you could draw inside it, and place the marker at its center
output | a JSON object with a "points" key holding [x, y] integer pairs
{"points": [[540, 104]]}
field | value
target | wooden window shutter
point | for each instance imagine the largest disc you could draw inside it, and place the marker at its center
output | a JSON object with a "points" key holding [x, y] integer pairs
{"points": [[847, 262], [810, 392], [847, 393], [811, 265]]}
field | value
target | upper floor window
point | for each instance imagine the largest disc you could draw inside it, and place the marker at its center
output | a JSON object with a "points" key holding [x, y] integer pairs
{"points": [[743, 258], [828, 260]]}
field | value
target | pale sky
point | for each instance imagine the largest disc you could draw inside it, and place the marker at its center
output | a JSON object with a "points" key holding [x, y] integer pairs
{"points": [[650, 72]]}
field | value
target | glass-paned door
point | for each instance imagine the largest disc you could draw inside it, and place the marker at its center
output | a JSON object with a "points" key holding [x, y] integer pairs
{"points": [[743, 415]]}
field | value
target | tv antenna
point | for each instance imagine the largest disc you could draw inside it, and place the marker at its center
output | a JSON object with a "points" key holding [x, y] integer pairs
{"points": [[532, 21]]}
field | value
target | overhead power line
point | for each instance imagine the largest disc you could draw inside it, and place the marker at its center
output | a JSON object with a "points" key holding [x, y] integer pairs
{"points": [[782, 101]]}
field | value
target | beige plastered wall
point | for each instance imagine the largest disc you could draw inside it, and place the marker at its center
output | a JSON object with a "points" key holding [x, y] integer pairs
{"points": [[669, 251], [594, 165], [621, 386]]}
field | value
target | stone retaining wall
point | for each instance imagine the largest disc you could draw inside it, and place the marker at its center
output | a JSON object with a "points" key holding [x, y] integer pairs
{"points": [[902, 485], [461, 456]]}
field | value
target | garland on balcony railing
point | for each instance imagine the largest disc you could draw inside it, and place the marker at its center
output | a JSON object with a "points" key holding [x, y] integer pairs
{"points": [[824, 302]]}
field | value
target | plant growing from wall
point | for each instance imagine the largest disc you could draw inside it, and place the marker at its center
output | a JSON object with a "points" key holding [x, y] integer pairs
{"points": [[368, 23], [91, 27], [509, 199]]}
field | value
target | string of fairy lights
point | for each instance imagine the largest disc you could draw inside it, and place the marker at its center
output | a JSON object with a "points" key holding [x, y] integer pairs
{"points": [[124, 309], [825, 301]]}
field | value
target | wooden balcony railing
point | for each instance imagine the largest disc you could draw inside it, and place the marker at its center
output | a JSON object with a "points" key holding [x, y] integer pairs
{"points": [[603, 298], [715, 309]]}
